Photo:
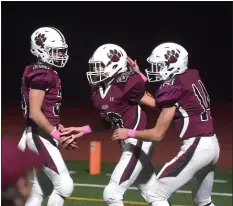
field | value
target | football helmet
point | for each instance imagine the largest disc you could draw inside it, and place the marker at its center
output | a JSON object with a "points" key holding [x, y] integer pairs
{"points": [[166, 60], [49, 45], [107, 61]]}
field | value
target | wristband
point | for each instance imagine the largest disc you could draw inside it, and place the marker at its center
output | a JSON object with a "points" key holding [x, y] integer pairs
{"points": [[86, 129], [143, 77], [55, 134], [131, 133]]}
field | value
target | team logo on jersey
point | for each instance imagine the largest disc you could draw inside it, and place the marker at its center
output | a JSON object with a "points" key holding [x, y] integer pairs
{"points": [[171, 56], [40, 39], [105, 106]]}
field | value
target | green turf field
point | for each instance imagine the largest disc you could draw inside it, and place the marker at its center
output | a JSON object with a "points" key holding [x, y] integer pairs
{"points": [[88, 189]]}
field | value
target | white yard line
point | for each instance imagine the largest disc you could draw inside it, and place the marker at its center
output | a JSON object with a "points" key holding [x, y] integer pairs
{"points": [[220, 181], [72, 172], [216, 181], [134, 188]]}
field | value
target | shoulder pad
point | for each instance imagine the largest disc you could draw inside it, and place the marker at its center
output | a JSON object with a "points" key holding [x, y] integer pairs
{"points": [[168, 95]]}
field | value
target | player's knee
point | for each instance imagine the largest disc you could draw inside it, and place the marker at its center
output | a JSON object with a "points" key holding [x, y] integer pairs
{"points": [[203, 202], [153, 197], [34, 199], [112, 193], [155, 194], [149, 198], [66, 186]]}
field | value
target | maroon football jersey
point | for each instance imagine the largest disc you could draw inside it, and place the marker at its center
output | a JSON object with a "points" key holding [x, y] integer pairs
{"points": [[188, 93], [43, 77], [118, 103]]}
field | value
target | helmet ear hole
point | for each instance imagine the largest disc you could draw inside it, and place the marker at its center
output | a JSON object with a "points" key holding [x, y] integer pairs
{"points": [[170, 69], [102, 65], [115, 66], [171, 75]]}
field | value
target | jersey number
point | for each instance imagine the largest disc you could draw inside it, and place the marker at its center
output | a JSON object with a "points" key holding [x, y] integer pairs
{"points": [[204, 100], [56, 107], [115, 120], [59, 94]]}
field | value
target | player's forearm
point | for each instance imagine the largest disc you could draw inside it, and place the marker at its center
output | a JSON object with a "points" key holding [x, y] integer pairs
{"points": [[149, 134], [143, 76], [100, 126], [96, 127], [158, 132], [41, 121], [148, 100]]}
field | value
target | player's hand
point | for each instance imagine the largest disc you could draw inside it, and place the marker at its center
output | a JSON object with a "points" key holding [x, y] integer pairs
{"points": [[72, 142], [71, 135], [60, 127], [63, 139], [133, 65], [120, 134]]}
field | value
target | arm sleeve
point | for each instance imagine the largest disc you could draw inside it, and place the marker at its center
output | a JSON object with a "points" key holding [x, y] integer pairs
{"points": [[168, 96], [40, 79], [135, 88]]}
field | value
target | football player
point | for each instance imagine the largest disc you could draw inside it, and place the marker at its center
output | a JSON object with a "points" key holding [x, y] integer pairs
{"points": [[41, 101], [117, 93], [183, 100]]}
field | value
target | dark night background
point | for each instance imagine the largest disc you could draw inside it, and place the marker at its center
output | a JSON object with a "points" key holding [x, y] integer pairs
{"points": [[203, 28]]}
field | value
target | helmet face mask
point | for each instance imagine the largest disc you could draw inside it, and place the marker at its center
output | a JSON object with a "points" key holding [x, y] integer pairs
{"points": [[166, 60], [49, 46], [154, 71], [106, 62], [58, 56], [96, 72]]}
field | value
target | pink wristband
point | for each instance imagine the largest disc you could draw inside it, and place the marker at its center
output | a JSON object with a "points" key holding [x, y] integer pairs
{"points": [[55, 134], [143, 77], [131, 133], [86, 129]]}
